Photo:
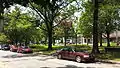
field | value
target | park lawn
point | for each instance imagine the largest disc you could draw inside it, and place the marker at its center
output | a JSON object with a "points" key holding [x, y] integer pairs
{"points": [[111, 44], [105, 56], [116, 59], [43, 48]]}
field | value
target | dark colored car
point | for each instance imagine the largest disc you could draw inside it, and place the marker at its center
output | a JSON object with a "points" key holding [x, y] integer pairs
{"points": [[5, 47], [70, 53], [13, 48], [24, 49]]}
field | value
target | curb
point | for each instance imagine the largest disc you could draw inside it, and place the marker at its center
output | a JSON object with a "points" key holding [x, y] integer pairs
{"points": [[108, 61]]}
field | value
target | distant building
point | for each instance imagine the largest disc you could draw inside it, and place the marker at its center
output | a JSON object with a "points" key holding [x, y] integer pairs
{"points": [[115, 36]]}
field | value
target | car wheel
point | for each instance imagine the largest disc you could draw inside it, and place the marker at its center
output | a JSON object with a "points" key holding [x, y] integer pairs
{"points": [[78, 59], [59, 56]]}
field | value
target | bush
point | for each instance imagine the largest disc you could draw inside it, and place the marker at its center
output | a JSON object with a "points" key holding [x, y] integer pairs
{"points": [[104, 56], [3, 38]]}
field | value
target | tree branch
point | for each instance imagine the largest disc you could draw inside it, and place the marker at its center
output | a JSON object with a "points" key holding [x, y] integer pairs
{"points": [[36, 10], [59, 22]]}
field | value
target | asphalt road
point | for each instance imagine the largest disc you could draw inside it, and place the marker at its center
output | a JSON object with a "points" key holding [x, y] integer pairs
{"points": [[17, 60]]}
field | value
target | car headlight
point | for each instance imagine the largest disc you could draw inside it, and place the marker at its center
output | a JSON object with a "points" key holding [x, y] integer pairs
{"points": [[86, 56]]}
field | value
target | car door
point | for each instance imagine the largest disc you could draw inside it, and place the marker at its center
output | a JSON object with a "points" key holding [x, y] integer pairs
{"points": [[65, 53], [71, 54]]}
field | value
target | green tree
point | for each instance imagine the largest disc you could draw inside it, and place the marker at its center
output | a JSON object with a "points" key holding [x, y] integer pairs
{"points": [[51, 11], [19, 27], [6, 4], [108, 17], [85, 25]]}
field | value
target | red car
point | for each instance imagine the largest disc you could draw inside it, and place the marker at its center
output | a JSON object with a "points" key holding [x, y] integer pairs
{"points": [[24, 49], [13, 48], [70, 53]]}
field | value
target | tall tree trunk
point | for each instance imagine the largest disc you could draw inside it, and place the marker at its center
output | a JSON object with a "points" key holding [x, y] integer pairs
{"points": [[49, 39], [87, 41], [65, 38], [108, 39], [95, 49], [76, 39], [100, 38], [1, 18], [16, 41], [1, 23], [26, 42], [53, 41], [117, 41]]}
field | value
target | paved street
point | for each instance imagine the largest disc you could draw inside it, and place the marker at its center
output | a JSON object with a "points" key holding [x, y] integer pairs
{"points": [[18, 60]]}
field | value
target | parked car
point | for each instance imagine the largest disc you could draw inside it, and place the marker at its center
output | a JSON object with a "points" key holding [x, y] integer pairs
{"points": [[5, 47], [70, 53], [0, 46], [13, 48], [24, 49]]}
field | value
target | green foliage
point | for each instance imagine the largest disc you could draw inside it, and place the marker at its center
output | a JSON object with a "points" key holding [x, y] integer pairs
{"points": [[3, 38], [104, 56], [85, 21], [109, 56], [52, 12], [21, 27], [108, 16]]}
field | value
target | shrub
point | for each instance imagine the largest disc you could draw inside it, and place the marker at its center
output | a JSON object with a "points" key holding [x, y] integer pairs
{"points": [[3, 38]]}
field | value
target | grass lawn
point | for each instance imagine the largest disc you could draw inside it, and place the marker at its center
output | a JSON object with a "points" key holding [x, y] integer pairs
{"points": [[110, 56]]}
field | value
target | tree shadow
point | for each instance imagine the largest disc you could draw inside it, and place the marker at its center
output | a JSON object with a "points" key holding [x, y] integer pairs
{"points": [[19, 55], [46, 58], [69, 66]]}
